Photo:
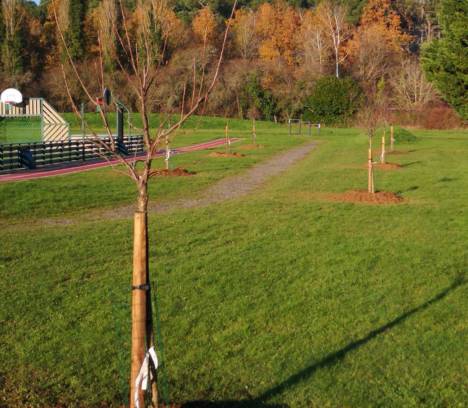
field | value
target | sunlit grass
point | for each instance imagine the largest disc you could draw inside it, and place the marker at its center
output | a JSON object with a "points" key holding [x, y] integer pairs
{"points": [[276, 298]]}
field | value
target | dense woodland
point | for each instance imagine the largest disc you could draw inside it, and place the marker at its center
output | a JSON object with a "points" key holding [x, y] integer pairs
{"points": [[318, 59]]}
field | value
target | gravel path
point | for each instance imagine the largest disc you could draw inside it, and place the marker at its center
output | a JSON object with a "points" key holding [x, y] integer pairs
{"points": [[230, 187]]}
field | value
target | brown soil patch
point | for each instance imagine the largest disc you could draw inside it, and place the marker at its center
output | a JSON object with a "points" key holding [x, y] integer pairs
{"points": [[387, 166], [362, 196], [224, 154], [251, 147], [177, 172]]}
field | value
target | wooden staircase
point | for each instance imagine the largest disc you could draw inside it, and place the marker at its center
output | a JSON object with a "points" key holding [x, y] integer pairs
{"points": [[54, 127]]}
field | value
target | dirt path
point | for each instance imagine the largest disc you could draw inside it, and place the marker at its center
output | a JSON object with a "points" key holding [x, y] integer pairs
{"points": [[230, 187]]}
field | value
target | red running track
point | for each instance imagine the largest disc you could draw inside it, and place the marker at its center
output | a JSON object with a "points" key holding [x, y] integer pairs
{"points": [[35, 174]]}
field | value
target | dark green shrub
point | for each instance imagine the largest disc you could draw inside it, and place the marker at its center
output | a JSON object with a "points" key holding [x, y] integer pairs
{"points": [[256, 97], [403, 135], [333, 101]]}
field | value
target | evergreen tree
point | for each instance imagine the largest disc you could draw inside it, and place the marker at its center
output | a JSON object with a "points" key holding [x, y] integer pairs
{"points": [[75, 35], [445, 60]]}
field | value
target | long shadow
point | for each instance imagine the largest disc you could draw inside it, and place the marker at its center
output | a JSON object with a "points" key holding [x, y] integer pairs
{"points": [[412, 188], [337, 356], [447, 179], [411, 163]]}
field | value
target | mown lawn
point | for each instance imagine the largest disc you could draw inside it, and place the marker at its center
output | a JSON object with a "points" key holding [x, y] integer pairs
{"points": [[281, 298], [106, 188]]}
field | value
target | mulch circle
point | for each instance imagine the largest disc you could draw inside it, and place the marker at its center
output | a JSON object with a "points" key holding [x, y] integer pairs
{"points": [[387, 166], [177, 172], [224, 154], [362, 196]]}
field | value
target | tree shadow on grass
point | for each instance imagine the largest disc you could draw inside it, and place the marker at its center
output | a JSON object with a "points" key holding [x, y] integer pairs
{"points": [[412, 188], [411, 163], [447, 179], [337, 356], [328, 361]]}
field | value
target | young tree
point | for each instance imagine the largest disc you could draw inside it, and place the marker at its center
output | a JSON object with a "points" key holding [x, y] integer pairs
{"points": [[445, 60], [138, 57]]}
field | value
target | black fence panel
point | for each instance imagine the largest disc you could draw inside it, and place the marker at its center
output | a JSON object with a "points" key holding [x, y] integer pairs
{"points": [[16, 156]]}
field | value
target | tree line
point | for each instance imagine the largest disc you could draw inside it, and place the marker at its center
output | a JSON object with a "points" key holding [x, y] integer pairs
{"points": [[310, 58]]}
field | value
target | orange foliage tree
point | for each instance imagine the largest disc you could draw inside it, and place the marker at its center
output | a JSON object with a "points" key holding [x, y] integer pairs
{"points": [[378, 44], [204, 25], [277, 26], [245, 37]]}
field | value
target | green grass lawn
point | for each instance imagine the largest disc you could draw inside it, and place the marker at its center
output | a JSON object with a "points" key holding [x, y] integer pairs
{"points": [[281, 298], [106, 188], [20, 130]]}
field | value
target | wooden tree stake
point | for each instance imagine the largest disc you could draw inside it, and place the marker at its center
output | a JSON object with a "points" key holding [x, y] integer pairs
{"points": [[392, 138], [228, 140], [254, 132], [139, 299], [382, 153], [168, 153], [370, 170]]}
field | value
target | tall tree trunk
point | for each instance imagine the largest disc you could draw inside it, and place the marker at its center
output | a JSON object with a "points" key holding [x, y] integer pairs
{"points": [[337, 63], [140, 290]]}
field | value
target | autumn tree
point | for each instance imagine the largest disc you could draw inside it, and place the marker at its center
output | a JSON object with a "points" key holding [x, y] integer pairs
{"points": [[204, 25], [314, 43], [243, 27], [378, 44], [333, 16], [277, 26]]}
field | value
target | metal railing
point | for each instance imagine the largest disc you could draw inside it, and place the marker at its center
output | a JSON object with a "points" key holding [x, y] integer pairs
{"points": [[299, 126], [16, 156]]}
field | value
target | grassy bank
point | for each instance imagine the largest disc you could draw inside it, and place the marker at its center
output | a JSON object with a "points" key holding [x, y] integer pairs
{"points": [[281, 298]]}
